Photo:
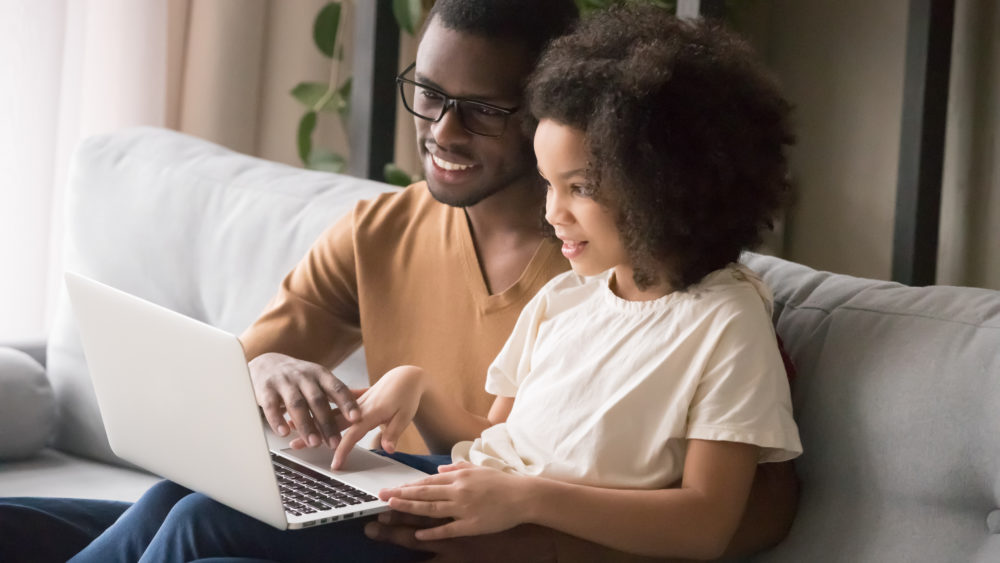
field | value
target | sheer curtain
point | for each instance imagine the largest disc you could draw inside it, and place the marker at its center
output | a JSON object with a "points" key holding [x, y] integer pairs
{"points": [[221, 70], [72, 68]]}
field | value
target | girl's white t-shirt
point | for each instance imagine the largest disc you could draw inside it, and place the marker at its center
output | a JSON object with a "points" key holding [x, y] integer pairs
{"points": [[608, 391]]}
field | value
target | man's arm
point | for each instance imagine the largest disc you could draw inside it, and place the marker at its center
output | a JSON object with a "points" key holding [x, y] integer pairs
{"points": [[311, 325]]}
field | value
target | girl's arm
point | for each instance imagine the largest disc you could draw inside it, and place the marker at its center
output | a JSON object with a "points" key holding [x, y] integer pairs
{"points": [[406, 394], [695, 521]]}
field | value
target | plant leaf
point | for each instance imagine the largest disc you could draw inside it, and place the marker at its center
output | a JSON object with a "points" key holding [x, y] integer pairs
{"points": [[396, 176], [408, 14], [306, 126], [322, 159], [325, 28], [345, 95], [308, 93]]}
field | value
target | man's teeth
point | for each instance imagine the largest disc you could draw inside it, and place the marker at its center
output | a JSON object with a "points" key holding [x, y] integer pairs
{"points": [[450, 165]]}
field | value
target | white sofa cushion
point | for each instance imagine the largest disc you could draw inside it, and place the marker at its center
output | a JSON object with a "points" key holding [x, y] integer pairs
{"points": [[192, 226]]}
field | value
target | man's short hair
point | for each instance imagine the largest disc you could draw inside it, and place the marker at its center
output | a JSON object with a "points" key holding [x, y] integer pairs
{"points": [[532, 23]]}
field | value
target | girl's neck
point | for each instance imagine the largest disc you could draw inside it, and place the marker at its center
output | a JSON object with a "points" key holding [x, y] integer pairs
{"points": [[623, 285]]}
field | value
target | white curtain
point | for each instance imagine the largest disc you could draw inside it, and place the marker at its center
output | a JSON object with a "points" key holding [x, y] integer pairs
{"points": [[70, 69]]}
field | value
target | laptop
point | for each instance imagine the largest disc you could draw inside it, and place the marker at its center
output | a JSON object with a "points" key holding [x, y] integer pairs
{"points": [[176, 398]]}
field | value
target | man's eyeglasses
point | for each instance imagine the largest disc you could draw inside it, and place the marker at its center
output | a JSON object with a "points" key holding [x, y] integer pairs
{"points": [[431, 104]]}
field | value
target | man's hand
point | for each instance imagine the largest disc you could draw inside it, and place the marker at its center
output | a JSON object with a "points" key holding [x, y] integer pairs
{"points": [[305, 390], [527, 543], [479, 499], [391, 403]]}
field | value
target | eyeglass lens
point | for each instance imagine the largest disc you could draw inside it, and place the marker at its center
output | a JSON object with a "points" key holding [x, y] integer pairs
{"points": [[430, 104]]}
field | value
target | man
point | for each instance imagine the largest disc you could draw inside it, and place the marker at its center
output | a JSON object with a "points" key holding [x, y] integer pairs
{"points": [[434, 275]]}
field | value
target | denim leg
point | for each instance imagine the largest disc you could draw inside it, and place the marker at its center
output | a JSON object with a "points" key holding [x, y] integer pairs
{"points": [[52, 529], [199, 527], [428, 463], [128, 537]]}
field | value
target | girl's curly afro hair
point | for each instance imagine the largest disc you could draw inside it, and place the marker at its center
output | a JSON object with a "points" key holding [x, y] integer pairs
{"points": [[686, 134]]}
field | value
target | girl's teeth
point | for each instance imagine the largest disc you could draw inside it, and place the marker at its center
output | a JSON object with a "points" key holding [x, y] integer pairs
{"points": [[450, 165]]}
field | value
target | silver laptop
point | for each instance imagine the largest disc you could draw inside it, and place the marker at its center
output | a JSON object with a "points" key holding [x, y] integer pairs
{"points": [[176, 398]]}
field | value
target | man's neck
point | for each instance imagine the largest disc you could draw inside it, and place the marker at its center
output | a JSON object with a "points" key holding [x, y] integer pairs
{"points": [[513, 212], [506, 231]]}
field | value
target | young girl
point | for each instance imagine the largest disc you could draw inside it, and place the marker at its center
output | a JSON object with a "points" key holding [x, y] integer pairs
{"points": [[654, 361], [638, 392]]}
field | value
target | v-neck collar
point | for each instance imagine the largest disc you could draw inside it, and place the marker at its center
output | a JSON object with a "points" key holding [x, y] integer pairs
{"points": [[476, 281]]}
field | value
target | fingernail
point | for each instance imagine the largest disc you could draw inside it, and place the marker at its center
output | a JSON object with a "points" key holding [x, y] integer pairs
{"points": [[371, 530], [354, 414], [314, 440], [282, 430]]}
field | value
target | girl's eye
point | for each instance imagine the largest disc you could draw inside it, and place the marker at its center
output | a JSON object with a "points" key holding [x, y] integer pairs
{"points": [[583, 190]]}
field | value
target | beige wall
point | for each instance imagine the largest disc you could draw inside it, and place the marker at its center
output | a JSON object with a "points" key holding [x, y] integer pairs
{"points": [[841, 64]]}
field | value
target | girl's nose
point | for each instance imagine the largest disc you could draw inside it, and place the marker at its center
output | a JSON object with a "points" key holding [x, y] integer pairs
{"points": [[555, 208]]}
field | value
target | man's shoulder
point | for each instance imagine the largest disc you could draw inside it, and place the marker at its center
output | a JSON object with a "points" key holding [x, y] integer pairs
{"points": [[399, 207]]}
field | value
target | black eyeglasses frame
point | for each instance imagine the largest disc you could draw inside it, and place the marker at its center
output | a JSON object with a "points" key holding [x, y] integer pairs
{"points": [[449, 102]]}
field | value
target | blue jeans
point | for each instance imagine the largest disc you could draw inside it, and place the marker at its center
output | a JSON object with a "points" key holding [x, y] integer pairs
{"points": [[172, 523]]}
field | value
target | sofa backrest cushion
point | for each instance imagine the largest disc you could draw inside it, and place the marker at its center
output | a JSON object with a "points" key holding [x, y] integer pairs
{"points": [[191, 226], [898, 405]]}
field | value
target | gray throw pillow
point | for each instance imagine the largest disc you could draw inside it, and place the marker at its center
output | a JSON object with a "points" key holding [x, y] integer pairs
{"points": [[27, 407]]}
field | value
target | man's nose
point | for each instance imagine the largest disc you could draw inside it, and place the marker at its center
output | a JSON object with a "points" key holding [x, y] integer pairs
{"points": [[449, 129]]}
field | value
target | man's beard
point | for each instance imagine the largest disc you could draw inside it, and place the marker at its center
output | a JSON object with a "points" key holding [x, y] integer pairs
{"points": [[468, 199]]}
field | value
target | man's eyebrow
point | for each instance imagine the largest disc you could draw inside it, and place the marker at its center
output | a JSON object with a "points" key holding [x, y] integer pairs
{"points": [[421, 79]]}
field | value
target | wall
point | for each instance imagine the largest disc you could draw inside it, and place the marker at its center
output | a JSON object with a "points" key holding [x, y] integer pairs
{"points": [[841, 64]]}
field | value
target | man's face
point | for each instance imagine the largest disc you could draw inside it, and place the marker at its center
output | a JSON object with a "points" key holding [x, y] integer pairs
{"points": [[463, 168]]}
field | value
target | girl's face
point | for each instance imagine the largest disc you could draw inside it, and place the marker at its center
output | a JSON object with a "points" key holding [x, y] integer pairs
{"points": [[590, 237]]}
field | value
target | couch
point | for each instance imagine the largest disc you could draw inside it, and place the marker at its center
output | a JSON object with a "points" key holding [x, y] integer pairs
{"points": [[897, 394]]}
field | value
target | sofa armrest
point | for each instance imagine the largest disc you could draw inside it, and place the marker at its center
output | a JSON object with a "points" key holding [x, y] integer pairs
{"points": [[27, 405]]}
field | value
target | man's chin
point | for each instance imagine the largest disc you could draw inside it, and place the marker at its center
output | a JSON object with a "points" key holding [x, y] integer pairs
{"points": [[464, 199]]}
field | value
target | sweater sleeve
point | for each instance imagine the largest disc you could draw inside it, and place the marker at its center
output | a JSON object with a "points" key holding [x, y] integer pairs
{"points": [[314, 316]]}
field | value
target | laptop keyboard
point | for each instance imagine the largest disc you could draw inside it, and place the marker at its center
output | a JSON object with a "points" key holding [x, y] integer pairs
{"points": [[304, 491]]}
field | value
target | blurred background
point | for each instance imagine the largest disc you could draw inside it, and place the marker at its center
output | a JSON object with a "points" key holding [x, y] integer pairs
{"points": [[246, 74]]}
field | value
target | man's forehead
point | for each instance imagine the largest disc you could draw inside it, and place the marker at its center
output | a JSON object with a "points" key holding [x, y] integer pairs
{"points": [[468, 65]]}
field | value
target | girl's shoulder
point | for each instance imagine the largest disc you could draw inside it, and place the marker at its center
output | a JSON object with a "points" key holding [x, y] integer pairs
{"points": [[731, 289]]}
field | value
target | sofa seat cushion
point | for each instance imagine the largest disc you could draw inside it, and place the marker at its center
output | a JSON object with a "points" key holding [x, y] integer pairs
{"points": [[52, 473], [898, 407]]}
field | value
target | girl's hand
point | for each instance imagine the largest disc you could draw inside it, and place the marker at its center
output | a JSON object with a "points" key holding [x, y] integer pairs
{"points": [[392, 403], [479, 499]]}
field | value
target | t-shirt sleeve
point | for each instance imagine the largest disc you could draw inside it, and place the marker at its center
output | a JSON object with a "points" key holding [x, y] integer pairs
{"points": [[743, 394], [513, 363], [314, 316]]}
